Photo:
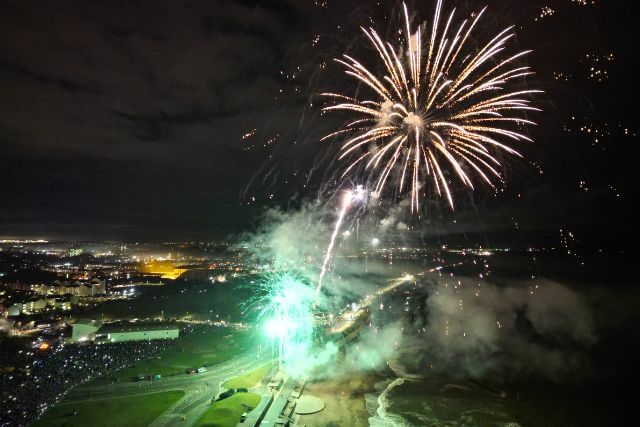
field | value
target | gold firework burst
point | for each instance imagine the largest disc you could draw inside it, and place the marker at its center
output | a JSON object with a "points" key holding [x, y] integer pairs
{"points": [[437, 103]]}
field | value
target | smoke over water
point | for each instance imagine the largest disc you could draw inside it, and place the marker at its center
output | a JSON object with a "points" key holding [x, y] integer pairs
{"points": [[438, 324], [471, 328]]}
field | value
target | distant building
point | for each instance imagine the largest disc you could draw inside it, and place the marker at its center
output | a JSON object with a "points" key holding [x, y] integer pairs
{"points": [[99, 287], [85, 330], [17, 305], [75, 251], [60, 303], [34, 305], [43, 289], [82, 289], [14, 309], [90, 330], [18, 286], [167, 269], [25, 305], [120, 332]]}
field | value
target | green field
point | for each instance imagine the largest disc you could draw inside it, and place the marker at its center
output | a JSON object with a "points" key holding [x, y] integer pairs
{"points": [[194, 299], [197, 349], [227, 412], [250, 379], [121, 411]]}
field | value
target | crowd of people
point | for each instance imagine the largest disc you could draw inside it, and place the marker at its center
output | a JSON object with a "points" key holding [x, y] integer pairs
{"points": [[47, 374]]}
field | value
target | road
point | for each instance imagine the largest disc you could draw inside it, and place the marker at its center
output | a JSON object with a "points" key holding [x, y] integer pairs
{"points": [[199, 390]]}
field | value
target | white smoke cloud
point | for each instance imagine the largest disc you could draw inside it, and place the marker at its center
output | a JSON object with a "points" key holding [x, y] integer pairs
{"points": [[289, 240], [467, 327], [369, 352], [374, 347], [392, 220], [478, 328], [6, 327]]}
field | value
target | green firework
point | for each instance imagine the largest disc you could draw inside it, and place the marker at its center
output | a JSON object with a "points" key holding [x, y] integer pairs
{"points": [[287, 319]]}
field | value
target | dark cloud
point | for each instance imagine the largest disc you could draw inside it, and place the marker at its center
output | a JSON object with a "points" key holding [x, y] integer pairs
{"points": [[109, 109]]}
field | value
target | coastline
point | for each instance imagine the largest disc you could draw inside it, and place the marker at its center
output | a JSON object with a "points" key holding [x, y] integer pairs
{"points": [[381, 417], [344, 398]]}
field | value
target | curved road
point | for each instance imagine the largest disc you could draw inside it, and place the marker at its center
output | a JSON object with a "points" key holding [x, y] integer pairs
{"points": [[199, 390]]}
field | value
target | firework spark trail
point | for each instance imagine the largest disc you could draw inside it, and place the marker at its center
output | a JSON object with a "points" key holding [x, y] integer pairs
{"points": [[436, 105], [287, 319], [346, 203]]}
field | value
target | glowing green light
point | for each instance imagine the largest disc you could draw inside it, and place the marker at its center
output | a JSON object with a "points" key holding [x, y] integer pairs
{"points": [[278, 328], [287, 319]]}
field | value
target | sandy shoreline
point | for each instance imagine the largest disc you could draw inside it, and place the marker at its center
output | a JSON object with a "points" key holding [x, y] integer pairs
{"points": [[345, 400]]}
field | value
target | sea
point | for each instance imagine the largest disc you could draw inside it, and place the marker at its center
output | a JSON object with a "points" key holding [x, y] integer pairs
{"points": [[569, 359]]}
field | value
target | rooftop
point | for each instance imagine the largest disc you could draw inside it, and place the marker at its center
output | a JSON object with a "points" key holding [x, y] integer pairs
{"points": [[135, 327]]}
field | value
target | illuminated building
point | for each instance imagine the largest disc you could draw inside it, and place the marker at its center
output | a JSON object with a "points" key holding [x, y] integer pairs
{"points": [[95, 330], [166, 269], [136, 332], [85, 330]]}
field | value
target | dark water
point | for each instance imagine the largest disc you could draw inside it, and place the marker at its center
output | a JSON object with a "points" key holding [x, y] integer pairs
{"points": [[440, 401], [598, 389]]}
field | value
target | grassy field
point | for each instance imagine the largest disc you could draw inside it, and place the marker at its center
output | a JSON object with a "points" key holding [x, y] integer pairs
{"points": [[196, 299], [204, 348], [227, 412], [125, 411], [250, 379]]}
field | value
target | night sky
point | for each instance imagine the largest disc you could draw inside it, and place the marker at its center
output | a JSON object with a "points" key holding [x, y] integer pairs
{"points": [[161, 120]]}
